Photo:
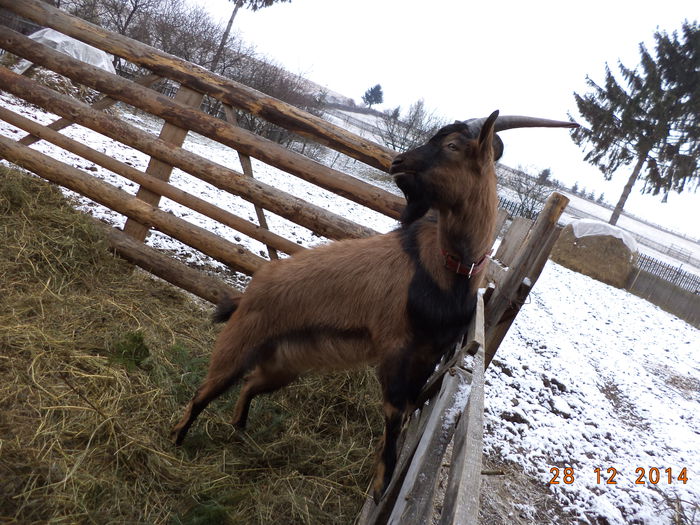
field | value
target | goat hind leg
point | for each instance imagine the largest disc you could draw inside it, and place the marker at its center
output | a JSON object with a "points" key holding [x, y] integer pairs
{"points": [[263, 379], [206, 393]]}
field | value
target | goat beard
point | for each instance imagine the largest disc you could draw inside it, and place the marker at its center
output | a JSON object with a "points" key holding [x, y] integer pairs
{"points": [[417, 201]]}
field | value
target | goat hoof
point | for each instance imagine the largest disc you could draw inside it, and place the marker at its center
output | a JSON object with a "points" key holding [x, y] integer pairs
{"points": [[177, 437], [378, 490]]}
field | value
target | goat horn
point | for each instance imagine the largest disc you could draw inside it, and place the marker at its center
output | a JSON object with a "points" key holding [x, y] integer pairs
{"points": [[504, 122]]}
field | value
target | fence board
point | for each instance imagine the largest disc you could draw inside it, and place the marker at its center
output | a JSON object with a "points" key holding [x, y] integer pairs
{"points": [[234, 255], [297, 210], [157, 168], [211, 127], [505, 297], [513, 240], [154, 185], [200, 79]]}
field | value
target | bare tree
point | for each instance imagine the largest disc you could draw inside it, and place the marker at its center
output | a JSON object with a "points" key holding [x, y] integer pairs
{"points": [[405, 132], [531, 192]]}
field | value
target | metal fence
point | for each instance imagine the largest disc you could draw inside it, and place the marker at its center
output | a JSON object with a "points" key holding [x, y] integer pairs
{"points": [[673, 274]]}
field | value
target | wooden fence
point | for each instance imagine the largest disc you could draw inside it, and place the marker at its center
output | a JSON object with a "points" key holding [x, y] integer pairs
{"points": [[520, 258]]}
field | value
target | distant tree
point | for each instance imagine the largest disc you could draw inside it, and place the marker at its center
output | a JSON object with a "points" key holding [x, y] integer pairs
{"points": [[601, 198], [403, 132], [574, 188], [531, 193], [544, 177], [652, 119], [373, 95]]}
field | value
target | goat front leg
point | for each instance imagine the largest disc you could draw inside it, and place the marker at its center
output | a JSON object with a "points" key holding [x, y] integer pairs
{"points": [[386, 462]]}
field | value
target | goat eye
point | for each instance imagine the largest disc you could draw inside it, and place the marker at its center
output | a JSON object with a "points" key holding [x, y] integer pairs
{"points": [[452, 146]]}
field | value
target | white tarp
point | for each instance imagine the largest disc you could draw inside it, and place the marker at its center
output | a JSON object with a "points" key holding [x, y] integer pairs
{"points": [[70, 47], [586, 227]]}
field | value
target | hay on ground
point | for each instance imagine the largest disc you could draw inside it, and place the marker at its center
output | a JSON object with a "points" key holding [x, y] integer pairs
{"points": [[96, 364]]}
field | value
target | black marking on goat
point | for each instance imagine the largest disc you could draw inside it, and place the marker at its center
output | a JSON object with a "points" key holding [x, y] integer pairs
{"points": [[224, 310], [418, 201], [437, 317]]}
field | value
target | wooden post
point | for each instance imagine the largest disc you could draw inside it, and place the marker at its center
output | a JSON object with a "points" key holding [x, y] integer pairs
{"points": [[159, 169], [540, 240], [247, 167], [297, 210]]}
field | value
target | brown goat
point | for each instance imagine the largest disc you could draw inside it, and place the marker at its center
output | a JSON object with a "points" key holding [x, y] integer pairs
{"points": [[397, 300]]}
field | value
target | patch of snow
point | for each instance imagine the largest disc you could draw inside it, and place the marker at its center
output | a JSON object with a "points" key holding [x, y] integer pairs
{"points": [[589, 227]]}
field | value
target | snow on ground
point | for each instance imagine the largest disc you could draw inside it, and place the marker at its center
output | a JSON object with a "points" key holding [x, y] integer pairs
{"points": [[588, 377]]}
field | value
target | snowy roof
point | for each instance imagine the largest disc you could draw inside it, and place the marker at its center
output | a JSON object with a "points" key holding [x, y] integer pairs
{"points": [[70, 47], [586, 227]]}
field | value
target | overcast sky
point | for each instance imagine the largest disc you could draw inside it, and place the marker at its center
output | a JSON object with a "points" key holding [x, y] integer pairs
{"points": [[467, 58]]}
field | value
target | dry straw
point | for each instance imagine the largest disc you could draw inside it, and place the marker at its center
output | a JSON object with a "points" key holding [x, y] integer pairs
{"points": [[96, 363]]}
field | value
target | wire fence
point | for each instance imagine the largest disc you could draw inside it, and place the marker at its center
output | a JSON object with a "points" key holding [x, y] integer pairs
{"points": [[673, 274], [519, 209]]}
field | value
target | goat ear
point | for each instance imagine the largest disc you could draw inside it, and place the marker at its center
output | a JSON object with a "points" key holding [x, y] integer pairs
{"points": [[417, 201], [487, 136]]}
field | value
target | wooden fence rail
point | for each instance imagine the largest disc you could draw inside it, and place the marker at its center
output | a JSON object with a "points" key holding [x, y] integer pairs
{"points": [[520, 258], [200, 79]]}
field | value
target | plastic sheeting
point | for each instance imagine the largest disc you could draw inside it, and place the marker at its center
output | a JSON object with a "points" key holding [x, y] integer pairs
{"points": [[70, 47], [586, 227]]}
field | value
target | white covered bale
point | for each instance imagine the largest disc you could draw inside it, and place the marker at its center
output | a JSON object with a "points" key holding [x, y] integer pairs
{"points": [[68, 46], [597, 249]]}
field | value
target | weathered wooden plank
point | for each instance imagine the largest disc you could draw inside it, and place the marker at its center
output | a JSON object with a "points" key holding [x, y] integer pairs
{"points": [[200, 79], [461, 503], [187, 118], [157, 168], [101, 104], [501, 217], [414, 502], [378, 514], [207, 287], [513, 240], [234, 255], [155, 185], [495, 272], [297, 210], [539, 237]]}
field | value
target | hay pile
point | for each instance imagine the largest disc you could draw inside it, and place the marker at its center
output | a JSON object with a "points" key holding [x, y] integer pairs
{"points": [[96, 364], [603, 257]]}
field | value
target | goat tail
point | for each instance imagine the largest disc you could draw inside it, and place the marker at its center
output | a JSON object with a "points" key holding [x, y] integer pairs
{"points": [[224, 310]]}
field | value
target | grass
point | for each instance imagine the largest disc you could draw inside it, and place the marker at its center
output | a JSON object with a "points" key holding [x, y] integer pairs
{"points": [[97, 361]]}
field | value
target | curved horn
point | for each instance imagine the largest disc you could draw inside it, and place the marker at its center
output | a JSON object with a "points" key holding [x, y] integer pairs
{"points": [[505, 122]]}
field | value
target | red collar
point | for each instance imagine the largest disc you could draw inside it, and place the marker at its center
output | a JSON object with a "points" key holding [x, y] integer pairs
{"points": [[454, 264]]}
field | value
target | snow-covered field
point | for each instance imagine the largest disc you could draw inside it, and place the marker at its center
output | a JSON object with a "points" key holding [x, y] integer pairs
{"points": [[588, 377]]}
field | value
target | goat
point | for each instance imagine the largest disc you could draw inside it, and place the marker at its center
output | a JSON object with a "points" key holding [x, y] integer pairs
{"points": [[397, 300]]}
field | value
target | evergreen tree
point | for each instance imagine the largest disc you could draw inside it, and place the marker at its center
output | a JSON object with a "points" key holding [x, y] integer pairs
{"points": [[373, 95], [652, 119]]}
